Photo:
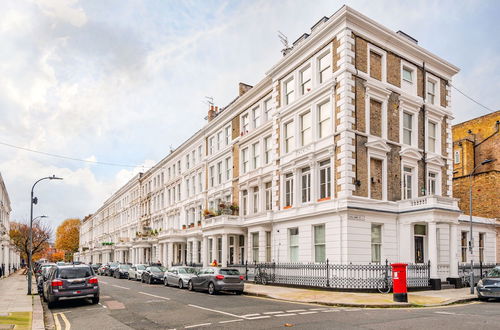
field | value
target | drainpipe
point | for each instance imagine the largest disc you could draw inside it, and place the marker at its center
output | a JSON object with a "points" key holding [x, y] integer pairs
{"points": [[424, 154]]}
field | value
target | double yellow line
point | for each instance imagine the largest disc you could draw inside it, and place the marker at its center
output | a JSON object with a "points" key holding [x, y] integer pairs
{"points": [[67, 325]]}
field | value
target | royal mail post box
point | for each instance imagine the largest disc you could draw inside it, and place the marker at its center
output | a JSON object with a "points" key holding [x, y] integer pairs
{"points": [[399, 282]]}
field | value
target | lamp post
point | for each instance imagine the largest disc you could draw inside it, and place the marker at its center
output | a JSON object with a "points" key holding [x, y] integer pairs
{"points": [[471, 242], [34, 200]]}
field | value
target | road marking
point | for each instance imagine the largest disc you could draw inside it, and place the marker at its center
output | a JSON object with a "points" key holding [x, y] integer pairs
{"points": [[330, 311], [247, 315], [56, 319], [103, 305], [231, 321], [288, 314], [197, 325], [214, 310], [153, 295], [296, 310], [317, 309], [91, 309], [277, 312], [66, 321], [311, 312], [258, 317], [121, 287]]}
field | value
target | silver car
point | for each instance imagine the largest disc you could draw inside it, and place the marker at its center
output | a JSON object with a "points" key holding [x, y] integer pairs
{"points": [[179, 275], [135, 272], [489, 287], [214, 279]]}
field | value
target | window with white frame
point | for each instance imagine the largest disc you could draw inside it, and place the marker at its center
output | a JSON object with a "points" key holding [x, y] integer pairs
{"points": [[244, 123], [325, 187], [431, 136], [319, 243], [324, 120], [179, 196], [244, 202], [407, 128], [267, 109], [305, 129], [268, 246], [187, 162], [211, 176], [244, 160], [255, 246], [255, 196], [432, 183], [376, 243], [229, 167], [219, 140], [288, 190], [289, 137], [305, 80], [256, 117], [267, 150], [431, 91], [188, 193], [227, 135], [306, 185], [408, 74], [456, 156], [463, 246], [219, 172], [293, 244], [407, 182], [174, 172], [200, 153], [211, 145], [256, 155], [269, 196], [193, 157], [324, 64], [193, 184], [289, 91], [200, 183], [179, 166]]}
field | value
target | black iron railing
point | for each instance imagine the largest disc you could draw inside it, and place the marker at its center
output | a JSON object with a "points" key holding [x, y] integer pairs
{"points": [[480, 269]]}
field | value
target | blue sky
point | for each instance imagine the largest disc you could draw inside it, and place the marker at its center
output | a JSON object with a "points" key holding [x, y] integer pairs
{"points": [[123, 81]]}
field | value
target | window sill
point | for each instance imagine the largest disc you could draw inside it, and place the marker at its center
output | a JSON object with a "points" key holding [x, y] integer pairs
{"points": [[287, 207], [324, 199]]}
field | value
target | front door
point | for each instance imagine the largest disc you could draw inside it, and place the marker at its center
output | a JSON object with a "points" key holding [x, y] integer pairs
{"points": [[419, 249]]}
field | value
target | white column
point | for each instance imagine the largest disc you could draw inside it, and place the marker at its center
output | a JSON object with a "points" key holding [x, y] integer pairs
{"points": [[405, 243], [214, 250], [224, 250], [204, 252], [164, 260], [432, 243], [6, 260], [170, 254], [195, 251], [262, 246], [454, 250]]}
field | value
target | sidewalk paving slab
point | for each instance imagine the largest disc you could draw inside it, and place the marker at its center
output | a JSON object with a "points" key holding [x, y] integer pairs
{"points": [[360, 299]]}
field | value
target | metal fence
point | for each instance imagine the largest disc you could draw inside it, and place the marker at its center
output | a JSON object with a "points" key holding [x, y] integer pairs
{"points": [[336, 276], [480, 269]]}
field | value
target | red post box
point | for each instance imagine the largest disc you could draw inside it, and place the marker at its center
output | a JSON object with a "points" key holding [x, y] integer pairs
{"points": [[399, 282]]}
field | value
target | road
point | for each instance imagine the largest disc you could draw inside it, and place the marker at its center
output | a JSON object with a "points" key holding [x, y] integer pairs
{"points": [[133, 305]]}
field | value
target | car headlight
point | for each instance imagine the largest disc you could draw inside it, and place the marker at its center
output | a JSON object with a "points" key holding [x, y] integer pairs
{"points": [[480, 283]]}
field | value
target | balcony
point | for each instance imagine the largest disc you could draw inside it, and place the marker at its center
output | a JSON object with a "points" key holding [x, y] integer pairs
{"points": [[222, 220], [427, 202]]}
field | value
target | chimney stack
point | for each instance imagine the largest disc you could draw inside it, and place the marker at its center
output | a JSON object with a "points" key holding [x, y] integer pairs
{"points": [[243, 88], [211, 113]]}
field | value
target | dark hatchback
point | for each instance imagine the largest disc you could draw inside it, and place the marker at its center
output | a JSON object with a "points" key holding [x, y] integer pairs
{"points": [[214, 279], [489, 287], [153, 274], [121, 271], [71, 282]]}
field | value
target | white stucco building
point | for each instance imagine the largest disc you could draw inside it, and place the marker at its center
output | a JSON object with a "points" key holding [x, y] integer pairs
{"points": [[341, 152], [9, 258]]}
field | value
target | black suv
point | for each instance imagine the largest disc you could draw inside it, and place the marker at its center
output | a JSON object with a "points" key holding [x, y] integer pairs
{"points": [[70, 282]]}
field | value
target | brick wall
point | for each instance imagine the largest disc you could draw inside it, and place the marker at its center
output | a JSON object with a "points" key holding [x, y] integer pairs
{"points": [[361, 52], [421, 131], [394, 174], [444, 181], [375, 118], [393, 117], [335, 54], [443, 92], [375, 178], [420, 82], [235, 125], [421, 178], [393, 69], [360, 105], [361, 168], [444, 133], [375, 66], [486, 190]]}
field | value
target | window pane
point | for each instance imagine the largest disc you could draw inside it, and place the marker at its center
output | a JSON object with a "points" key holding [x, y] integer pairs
{"points": [[319, 234], [376, 234]]}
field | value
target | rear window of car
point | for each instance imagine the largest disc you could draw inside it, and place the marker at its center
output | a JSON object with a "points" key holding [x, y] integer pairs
{"points": [[77, 272], [188, 270], [157, 269], [229, 272]]}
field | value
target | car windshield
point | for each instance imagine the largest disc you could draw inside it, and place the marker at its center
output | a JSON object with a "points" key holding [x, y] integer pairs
{"points": [[229, 272], [495, 272], [187, 270], [124, 266], [141, 267], [158, 269], [113, 264], [77, 272]]}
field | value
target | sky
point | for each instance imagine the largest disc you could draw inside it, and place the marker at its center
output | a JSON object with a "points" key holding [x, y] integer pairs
{"points": [[124, 81]]}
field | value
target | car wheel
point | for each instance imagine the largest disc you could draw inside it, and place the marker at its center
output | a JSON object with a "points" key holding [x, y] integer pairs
{"points": [[95, 300], [190, 286], [481, 298], [142, 279], [51, 302], [165, 281], [211, 289], [181, 284], [239, 292], [149, 280]]}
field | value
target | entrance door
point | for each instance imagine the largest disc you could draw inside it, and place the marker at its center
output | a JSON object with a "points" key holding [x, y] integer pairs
{"points": [[419, 249]]}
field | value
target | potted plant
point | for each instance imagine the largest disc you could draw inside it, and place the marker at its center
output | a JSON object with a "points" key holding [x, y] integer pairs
{"points": [[191, 225], [199, 223], [183, 226], [234, 208]]}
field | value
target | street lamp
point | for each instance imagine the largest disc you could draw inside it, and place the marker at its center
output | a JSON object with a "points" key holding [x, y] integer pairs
{"points": [[471, 242], [34, 200]]}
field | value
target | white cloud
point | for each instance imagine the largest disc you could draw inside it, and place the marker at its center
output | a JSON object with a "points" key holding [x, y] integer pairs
{"points": [[64, 10]]}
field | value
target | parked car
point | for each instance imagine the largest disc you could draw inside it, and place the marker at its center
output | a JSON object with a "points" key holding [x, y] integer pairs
{"points": [[179, 275], [153, 274], [95, 267], [45, 269], [102, 269], [70, 282], [214, 279], [489, 286], [110, 270], [121, 271], [135, 272]]}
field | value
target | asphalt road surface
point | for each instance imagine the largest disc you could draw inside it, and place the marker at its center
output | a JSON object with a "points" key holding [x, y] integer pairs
{"points": [[133, 305]]}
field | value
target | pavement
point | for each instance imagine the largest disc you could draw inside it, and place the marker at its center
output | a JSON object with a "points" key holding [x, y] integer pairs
{"points": [[133, 305], [17, 309], [359, 299]]}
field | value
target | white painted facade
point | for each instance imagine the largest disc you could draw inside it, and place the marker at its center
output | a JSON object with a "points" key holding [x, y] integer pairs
{"points": [[9, 257], [284, 152]]}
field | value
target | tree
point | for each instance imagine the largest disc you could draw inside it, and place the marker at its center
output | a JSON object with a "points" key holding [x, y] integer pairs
{"points": [[68, 236], [20, 238]]}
